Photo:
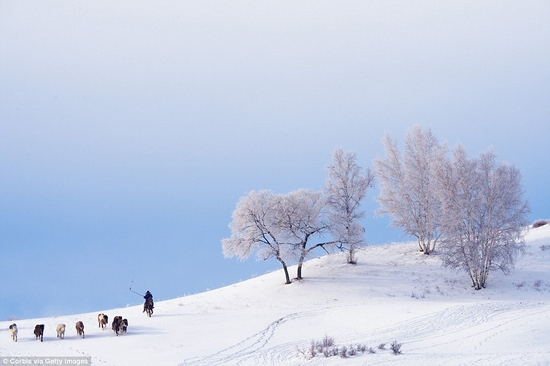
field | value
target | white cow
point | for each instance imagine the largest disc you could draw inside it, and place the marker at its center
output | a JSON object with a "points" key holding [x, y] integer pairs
{"points": [[60, 330], [13, 332]]}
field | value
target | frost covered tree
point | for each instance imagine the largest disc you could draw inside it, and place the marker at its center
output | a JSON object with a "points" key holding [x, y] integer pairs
{"points": [[483, 215], [302, 220], [282, 226], [345, 188], [255, 226], [408, 186]]}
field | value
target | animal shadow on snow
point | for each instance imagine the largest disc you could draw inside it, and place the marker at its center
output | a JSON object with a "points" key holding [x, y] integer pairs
{"points": [[167, 315], [135, 330]]}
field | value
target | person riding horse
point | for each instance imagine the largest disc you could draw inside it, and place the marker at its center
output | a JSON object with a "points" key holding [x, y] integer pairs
{"points": [[148, 300]]}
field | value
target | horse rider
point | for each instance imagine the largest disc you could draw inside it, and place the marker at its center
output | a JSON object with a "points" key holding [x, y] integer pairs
{"points": [[148, 295]]}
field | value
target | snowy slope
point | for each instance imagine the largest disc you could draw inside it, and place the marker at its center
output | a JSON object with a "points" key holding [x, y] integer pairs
{"points": [[394, 293]]}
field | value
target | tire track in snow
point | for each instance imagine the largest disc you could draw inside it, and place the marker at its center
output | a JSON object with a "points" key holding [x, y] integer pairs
{"points": [[455, 324], [245, 349], [248, 350], [508, 319], [450, 326]]}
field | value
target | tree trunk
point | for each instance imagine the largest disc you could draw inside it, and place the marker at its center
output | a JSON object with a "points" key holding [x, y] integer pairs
{"points": [[301, 261], [287, 276], [427, 245], [424, 248], [285, 269], [351, 256]]}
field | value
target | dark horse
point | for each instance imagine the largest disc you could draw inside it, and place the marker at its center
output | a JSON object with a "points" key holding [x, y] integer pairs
{"points": [[149, 307]]}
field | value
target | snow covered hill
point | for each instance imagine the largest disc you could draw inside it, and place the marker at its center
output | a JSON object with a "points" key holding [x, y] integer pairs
{"points": [[394, 294]]}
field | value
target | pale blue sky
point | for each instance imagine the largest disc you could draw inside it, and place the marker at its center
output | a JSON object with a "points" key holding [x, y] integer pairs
{"points": [[130, 129]]}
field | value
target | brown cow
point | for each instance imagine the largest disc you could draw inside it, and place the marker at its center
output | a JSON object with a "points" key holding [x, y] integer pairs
{"points": [[102, 320], [39, 332], [80, 328]]}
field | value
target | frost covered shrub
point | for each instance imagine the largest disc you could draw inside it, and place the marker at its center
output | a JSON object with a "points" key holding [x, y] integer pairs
{"points": [[327, 347], [344, 352], [327, 341], [540, 223], [382, 346], [313, 349], [395, 348], [324, 347]]}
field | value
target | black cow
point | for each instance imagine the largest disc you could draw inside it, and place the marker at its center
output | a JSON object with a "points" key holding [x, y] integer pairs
{"points": [[39, 331], [117, 324]]}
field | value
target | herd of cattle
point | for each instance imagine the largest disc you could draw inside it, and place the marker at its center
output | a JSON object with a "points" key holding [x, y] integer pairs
{"points": [[119, 325]]}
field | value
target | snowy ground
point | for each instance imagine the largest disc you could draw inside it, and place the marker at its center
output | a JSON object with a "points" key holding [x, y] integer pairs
{"points": [[393, 294]]}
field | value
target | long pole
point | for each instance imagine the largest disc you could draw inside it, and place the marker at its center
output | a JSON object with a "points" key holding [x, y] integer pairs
{"points": [[133, 290]]}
